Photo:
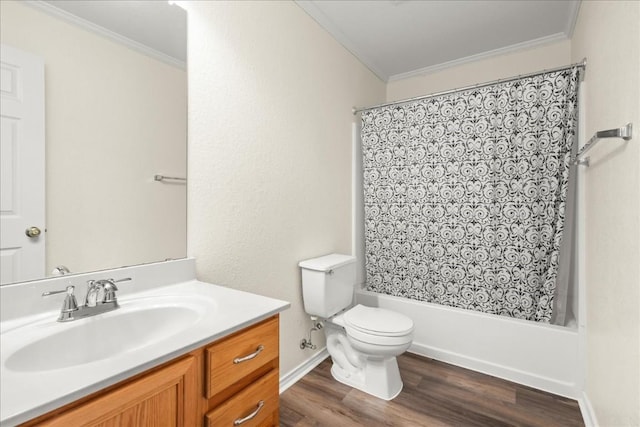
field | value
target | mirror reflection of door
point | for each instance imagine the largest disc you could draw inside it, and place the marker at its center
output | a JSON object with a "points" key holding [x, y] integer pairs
{"points": [[22, 162]]}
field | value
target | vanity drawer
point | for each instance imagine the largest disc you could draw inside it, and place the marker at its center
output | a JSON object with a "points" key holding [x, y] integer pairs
{"points": [[240, 355], [260, 400]]}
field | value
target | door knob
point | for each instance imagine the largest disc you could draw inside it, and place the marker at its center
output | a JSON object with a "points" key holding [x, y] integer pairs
{"points": [[32, 232]]}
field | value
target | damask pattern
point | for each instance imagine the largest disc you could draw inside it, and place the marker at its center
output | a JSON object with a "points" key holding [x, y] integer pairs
{"points": [[465, 195]]}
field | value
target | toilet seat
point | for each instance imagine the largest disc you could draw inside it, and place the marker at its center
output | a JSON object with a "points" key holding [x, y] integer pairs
{"points": [[378, 321], [375, 325]]}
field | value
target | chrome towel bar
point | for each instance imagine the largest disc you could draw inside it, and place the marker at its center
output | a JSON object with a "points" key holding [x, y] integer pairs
{"points": [[624, 132]]}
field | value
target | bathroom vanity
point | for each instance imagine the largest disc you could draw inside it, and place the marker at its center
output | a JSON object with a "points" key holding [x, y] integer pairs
{"points": [[178, 352]]}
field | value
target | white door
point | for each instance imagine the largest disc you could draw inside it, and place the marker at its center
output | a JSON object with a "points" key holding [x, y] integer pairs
{"points": [[22, 161]]}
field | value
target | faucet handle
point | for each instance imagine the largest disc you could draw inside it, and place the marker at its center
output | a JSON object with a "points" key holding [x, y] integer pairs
{"points": [[69, 290], [110, 289], [68, 306]]}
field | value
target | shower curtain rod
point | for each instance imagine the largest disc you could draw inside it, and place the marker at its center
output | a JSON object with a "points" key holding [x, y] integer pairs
{"points": [[582, 64]]}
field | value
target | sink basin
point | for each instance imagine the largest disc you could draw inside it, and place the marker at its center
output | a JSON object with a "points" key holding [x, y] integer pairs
{"points": [[134, 325]]}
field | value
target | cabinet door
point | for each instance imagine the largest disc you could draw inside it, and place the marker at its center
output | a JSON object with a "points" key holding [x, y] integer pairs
{"points": [[166, 397]]}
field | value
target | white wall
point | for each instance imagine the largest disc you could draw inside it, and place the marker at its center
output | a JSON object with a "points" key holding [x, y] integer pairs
{"points": [[498, 67], [107, 134], [269, 150], [608, 34]]}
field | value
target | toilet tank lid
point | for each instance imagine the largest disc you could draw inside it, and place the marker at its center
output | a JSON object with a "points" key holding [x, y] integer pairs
{"points": [[327, 262]]}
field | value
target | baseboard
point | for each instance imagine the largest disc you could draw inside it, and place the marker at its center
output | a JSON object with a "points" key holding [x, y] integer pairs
{"points": [[588, 415], [293, 376], [501, 371]]}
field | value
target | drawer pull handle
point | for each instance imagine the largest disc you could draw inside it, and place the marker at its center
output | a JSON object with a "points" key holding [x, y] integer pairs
{"points": [[251, 415], [249, 356]]}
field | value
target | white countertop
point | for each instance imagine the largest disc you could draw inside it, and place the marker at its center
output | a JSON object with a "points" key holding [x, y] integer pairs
{"points": [[25, 395]]}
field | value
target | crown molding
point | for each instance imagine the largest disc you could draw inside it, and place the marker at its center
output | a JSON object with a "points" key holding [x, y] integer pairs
{"points": [[554, 38], [101, 31], [573, 17], [325, 23]]}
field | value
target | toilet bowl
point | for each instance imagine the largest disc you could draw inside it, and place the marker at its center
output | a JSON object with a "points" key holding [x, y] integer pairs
{"points": [[363, 341]]}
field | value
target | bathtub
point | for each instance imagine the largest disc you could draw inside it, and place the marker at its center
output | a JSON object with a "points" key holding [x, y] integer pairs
{"points": [[538, 355]]}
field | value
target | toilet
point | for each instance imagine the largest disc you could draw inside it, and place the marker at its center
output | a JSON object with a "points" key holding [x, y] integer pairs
{"points": [[363, 341]]}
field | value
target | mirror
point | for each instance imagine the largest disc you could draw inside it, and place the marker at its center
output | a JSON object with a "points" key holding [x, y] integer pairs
{"points": [[115, 115]]}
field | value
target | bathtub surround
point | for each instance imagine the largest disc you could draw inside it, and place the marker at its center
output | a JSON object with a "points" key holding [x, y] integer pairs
{"points": [[465, 195]]}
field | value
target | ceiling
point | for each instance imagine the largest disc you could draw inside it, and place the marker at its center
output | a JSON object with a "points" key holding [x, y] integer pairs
{"points": [[394, 38], [155, 25], [399, 38]]}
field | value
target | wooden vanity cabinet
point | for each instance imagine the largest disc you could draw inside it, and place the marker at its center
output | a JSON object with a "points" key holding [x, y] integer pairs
{"points": [[233, 379]]}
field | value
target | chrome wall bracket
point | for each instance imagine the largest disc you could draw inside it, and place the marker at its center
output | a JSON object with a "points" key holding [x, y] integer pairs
{"points": [[624, 132]]}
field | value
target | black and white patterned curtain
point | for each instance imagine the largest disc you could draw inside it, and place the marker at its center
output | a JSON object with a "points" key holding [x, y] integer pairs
{"points": [[465, 195]]}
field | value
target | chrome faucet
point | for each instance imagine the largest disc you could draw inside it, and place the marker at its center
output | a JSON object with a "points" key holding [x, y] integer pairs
{"points": [[100, 298]]}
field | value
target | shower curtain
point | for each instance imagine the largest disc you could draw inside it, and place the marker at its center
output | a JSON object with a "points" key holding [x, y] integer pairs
{"points": [[465, 195]]}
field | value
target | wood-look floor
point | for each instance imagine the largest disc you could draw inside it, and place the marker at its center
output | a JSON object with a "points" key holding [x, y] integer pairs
{"points": [[434, 394]]}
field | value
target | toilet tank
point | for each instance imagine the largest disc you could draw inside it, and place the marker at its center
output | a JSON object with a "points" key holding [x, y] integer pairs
{"points": [[327, 284]]}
